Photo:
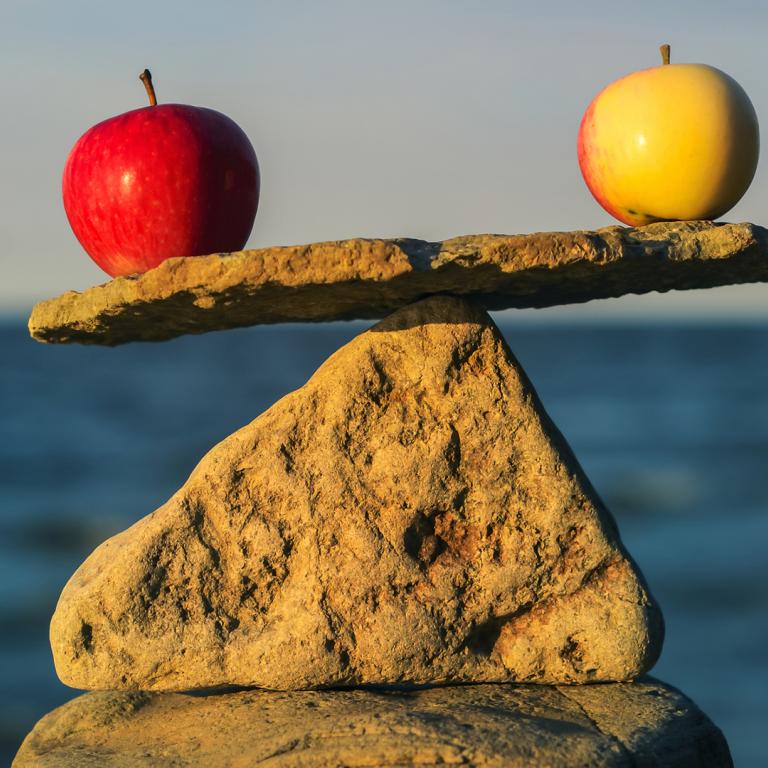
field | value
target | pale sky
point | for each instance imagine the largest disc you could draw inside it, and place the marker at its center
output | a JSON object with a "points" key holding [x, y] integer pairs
{"points": [[417, 118]]}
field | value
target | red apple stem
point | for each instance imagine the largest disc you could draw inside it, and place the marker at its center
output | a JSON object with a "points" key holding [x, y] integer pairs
{"points": [[664, 53], [146, 78]]}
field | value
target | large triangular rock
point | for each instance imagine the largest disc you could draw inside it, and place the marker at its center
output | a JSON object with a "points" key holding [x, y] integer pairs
{"points": [[410, 515]]}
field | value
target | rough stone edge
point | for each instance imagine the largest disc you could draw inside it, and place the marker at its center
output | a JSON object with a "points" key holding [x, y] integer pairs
{"points": [[696, 737], [368, 279]]}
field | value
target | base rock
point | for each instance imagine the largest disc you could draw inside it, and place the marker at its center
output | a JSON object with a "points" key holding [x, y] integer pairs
{"points": [[638, 725], [410, 515]]}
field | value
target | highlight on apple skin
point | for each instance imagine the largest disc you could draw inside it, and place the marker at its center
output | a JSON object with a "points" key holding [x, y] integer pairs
{"points": [[673, 142], [161, 181]]}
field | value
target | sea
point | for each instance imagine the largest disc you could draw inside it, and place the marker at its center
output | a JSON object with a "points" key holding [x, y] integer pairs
{"points": [[669, 420]]}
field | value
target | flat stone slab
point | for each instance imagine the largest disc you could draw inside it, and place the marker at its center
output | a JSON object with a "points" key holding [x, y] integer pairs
{"points": [[642, 725], [370, 278]]}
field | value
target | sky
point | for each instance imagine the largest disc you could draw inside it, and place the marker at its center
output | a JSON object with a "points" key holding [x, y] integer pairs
{"points": [[415, 118]]}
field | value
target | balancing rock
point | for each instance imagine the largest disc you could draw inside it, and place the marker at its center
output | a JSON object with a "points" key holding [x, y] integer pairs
{"points": [[369, 278], [410, 515]]}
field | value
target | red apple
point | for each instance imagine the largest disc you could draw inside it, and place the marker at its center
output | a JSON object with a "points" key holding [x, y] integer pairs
{"points": [[165, 180]]}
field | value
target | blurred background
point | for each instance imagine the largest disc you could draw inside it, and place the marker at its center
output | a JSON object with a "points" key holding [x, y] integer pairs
{"points": [[421, 119]]}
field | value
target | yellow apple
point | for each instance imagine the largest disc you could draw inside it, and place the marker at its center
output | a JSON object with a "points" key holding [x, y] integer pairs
{"points": [[674, 142]]}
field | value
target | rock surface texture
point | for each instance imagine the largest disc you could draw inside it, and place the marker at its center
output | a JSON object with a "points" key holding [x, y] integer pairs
{"points": [[371, 278], [637, 725], [410, 515]]}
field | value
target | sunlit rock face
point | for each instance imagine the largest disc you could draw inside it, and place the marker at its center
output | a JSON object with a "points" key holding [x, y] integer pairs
{"points": [[410, 515]]}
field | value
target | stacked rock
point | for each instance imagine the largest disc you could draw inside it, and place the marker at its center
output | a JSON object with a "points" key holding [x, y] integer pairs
{"points": [[407, 523]]}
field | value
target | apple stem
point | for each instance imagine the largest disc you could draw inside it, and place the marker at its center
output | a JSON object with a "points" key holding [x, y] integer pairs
{"points": [[664, 53], [146, 78]]}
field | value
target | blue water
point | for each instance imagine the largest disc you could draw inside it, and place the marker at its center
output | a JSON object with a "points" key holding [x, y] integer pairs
{"points": [[670, 423]]}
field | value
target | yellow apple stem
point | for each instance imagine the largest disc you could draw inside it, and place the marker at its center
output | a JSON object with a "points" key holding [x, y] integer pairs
{"points": [[664, 53], [146, 78]]}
